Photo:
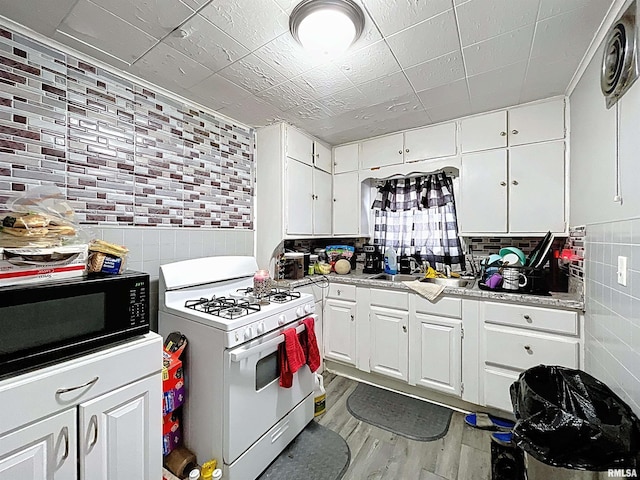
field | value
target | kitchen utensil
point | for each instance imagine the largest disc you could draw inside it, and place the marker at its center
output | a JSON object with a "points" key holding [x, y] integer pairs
{"points": [[539, 255], [512, 259], [513, 279], [513, 251]]}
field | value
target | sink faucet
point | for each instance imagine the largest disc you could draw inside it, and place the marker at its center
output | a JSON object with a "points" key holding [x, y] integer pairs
{"points": [[447, 270]]}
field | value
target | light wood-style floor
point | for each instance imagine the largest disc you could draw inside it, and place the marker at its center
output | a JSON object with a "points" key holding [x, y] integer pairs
{"points": [[376, 454]]}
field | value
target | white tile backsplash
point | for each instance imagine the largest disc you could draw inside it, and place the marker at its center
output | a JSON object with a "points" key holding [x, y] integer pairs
{"points": [[612, 316]]}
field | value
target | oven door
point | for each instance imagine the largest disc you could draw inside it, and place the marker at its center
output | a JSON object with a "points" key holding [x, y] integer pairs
{"points": [[254, 400]]}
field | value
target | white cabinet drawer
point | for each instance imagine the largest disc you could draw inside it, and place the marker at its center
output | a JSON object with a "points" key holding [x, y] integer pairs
{"points": [[342, 291], [37, 394], [390, 298], [519, 351], [496, 389], [534, 318], [443, 306]]}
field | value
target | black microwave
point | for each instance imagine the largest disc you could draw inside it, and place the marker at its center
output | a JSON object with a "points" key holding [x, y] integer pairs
{"points": [[43, 323]]}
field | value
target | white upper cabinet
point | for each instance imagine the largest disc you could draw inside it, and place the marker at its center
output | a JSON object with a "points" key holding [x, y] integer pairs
{"points": [[322, 200], [346, 204], [430, 142], [536, 123], [346, 158], [382, 151], [299, 198], [322, 157], [298, 145], [483, 132]]}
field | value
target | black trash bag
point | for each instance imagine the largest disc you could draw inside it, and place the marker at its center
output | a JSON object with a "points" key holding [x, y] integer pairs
{"points": [[567, 418]]}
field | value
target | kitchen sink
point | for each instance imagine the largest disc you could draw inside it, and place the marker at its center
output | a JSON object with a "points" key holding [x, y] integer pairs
{"points": [[402, 277]]}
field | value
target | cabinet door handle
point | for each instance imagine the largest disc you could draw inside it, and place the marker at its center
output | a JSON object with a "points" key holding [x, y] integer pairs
{"points": [[504, 184], [527, 318], [400, 152], [407, 150], [503, 134], [515, 132], [94, 421], [404, 328], [60, 391], [338, 292], [352, 318], [334, 199], [65, 434], [527, 348], [515, 182]]}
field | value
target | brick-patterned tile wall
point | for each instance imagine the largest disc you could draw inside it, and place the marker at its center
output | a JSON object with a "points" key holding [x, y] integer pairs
{"points": [[123, 154]]}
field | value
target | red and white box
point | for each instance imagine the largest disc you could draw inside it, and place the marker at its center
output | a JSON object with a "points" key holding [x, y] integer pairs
{"points": [[30, 265]]}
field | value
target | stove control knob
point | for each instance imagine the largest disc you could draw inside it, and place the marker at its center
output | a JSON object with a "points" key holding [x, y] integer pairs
{"points": [[282, 320], [299, 311], [260, 328], [248, 333], [309, 308]]}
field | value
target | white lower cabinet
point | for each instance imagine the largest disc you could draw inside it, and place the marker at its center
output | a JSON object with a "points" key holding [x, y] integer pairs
{"points": [[45, 450], [97, 417], [340, 331], [117, 431], [389, 329]]}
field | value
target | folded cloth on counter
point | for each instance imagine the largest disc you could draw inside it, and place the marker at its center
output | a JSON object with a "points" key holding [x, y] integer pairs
{"points": [[310, 344], [430, 291], [290, 356]]}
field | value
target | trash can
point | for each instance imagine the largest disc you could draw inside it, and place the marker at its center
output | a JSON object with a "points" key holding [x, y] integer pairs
{"points": [[567, 418]]}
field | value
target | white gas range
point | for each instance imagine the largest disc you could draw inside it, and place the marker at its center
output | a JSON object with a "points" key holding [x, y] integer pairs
{"points": [[235, 410]]}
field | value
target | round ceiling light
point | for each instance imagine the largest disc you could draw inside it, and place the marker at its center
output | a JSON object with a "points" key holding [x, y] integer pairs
{"points": [[326, 27]]}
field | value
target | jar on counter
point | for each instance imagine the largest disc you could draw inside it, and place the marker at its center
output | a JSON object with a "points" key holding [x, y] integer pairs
{"points": [[313, 259]]}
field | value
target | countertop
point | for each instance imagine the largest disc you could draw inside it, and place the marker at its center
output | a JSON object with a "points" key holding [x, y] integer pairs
{"points": [[555, 300]]}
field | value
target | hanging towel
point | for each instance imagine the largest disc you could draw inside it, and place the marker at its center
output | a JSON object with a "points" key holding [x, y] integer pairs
{"points": [[290, 356], [430, 291], [310, 344]]}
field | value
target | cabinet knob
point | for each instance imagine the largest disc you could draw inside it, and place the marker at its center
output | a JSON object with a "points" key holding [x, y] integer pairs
{"points": [[515, 132], [334, 199], [527, 318], [504, 184], [404, 328], [528, 348], [515, 182], [407, 150], [352, 318], [400, 152], [503, 134], [335, 164], [338, 292]]}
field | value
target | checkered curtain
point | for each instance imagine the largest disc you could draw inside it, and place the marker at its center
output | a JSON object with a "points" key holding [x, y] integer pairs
{"points": [[417, 216]]}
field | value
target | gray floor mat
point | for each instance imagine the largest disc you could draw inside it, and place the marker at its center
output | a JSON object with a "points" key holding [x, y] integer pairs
{"points": [[317, 453], [406, 416]]}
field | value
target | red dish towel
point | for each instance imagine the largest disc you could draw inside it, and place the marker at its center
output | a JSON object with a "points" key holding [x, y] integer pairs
{"points": [[310, 344], [291, 357]]}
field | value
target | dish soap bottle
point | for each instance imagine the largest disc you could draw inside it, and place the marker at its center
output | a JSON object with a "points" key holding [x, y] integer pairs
{"points": [[390, 261]]}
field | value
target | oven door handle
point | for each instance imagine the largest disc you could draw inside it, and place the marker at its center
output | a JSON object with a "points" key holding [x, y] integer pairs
{"points": [[237, 356]]}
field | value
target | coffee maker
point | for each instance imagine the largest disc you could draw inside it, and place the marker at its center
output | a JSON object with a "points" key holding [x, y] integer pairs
{"points": [[372, 259]]}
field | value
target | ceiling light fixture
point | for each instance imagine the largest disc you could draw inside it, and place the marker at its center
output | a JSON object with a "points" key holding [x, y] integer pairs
{"points": [[326, 27]]}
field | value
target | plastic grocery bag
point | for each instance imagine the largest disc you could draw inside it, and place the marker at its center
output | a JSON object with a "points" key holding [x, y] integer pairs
{"points": [[567, 418]]}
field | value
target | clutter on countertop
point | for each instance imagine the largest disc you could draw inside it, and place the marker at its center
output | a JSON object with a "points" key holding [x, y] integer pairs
{"points": [[105, 257]]}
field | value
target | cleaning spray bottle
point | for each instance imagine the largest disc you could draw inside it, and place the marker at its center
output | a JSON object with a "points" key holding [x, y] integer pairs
{"points": [[319, 396], [390, 261]]}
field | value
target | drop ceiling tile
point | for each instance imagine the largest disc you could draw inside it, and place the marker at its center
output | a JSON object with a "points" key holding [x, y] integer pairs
{"points": [[217, 90], [102, 30], [546, 78], [155, 17], [482, 19], [567, 35], [551, 8], [449, 111], [404, 13], [495, 100], [386, 88], [252, 111], [369, 63], [165, 66], [439, 71], [43, 17], [285, 96], [345, 101], [322, 81], [498, 51], [251, 22], [206, 44], [451, 93], [287, 56], [80, 46], [287, 5], [425, 41], [252, 74], [196, 4], [307, 112], [505, 79]]}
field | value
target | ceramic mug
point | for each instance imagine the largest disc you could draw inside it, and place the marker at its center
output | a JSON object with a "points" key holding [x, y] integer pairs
{"points": [[512, 279]]}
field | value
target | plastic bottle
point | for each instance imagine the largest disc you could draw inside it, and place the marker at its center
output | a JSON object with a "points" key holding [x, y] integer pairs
{"points": [[319, 396], [217, 474], [390, 261], [194, 474]]}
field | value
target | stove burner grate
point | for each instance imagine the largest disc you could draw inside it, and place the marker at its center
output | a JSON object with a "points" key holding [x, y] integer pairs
{"points": [[229, 308], [281, 295]]}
